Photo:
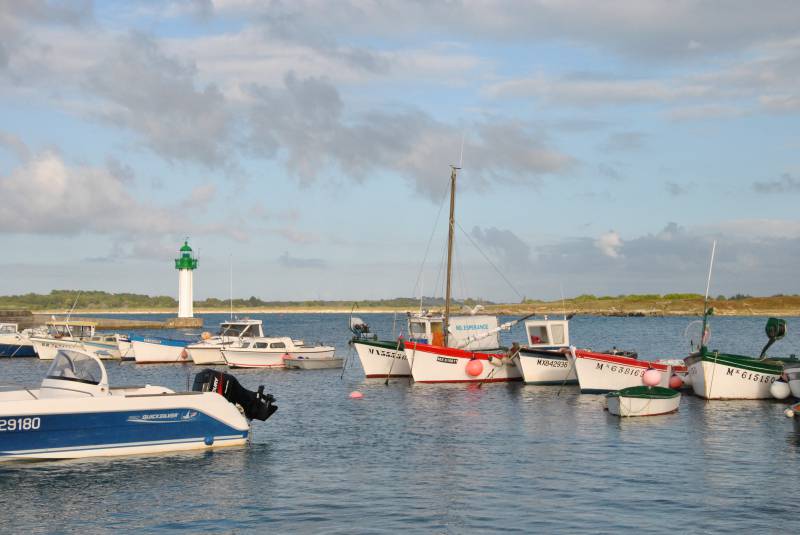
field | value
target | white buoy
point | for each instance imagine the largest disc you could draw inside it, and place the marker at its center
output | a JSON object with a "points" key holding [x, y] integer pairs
{"points": [[789, 412], [780, 389]]}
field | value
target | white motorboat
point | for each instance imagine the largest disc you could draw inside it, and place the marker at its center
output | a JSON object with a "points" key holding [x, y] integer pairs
{"points": [[69, 334], [643, 401], [75, 413], [313, 363], [14, 343], [269, 352], [154, 350], [544, 360], [231, 334], [792, 371]]}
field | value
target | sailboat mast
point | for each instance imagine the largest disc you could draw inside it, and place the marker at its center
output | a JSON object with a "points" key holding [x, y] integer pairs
{"points": [[453, 173]]}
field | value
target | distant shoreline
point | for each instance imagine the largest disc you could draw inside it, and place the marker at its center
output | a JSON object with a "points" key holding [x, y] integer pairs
{"points": [[783, 306]]}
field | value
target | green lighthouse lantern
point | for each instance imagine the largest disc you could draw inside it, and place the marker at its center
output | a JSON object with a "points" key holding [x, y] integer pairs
{"points": [[186, 260]]}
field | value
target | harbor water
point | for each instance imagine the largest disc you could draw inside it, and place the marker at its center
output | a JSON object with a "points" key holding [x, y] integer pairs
{"points": [[438, 458]]}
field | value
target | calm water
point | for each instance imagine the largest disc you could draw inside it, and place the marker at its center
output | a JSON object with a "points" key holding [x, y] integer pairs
{"points": [[439, 458]]}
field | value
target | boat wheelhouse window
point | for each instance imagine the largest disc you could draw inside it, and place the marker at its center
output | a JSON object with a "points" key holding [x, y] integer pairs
{"points": [[8, 329], [228, 329], [260, 345], [277, 345], [246, 344], [74, 366], [558, 334], [417, 329], [538, 335]]}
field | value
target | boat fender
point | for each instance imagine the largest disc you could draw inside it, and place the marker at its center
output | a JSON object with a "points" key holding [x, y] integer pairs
{"points": [[474, 367]]}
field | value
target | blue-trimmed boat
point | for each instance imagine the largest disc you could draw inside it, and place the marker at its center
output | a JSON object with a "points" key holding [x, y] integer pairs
{"points": [[153, 349], [74, 414], [13, 343]]}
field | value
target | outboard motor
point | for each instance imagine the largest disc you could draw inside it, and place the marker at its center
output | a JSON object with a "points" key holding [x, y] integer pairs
{"points": [[256, 405], [775, 330]]}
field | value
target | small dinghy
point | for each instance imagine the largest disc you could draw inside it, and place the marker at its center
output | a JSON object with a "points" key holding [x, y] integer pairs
{"points": [[647, 400], [313, 363], [643, 401], [75, 414]]}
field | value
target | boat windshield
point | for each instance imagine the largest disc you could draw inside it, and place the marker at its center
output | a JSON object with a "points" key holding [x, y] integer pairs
{"points": [[8, 328], [235, 329], [74, 366], [417, 329]]}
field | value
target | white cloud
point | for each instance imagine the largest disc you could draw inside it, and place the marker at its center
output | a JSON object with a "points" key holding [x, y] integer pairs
{"points": [[609, 244]]}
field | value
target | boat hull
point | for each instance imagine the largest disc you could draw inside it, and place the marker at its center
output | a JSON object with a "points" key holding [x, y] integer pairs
{"points": [[793, 376], [16, 349], [546, 368], [382, 358], [599, 373], [47, 348], [241, 358], [721, 376], [436, 364], [641, 401], [205, 355], [313, 363], [156, 351], [118, 425]]}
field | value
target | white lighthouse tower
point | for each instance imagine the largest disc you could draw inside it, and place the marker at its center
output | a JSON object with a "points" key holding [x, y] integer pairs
{"points": [[185, 265]]}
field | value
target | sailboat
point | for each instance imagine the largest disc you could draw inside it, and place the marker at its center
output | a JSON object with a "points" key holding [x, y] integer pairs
{"points": [[716, 375], [453, 357]]}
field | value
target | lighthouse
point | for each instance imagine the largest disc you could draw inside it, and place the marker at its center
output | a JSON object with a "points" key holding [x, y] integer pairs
{"points": [[185, 265]]}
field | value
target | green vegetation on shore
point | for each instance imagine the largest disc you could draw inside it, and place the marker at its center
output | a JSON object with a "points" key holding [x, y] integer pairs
{"points": [[621, 305]]}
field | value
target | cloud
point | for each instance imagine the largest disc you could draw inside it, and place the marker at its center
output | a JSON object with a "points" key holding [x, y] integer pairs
{"points": [[44, 195], [675, 189], [785, 184], [609, 244], [201, 195], [157, 97], [507, 247], [624, 141], [293, 262], [306, 121]]}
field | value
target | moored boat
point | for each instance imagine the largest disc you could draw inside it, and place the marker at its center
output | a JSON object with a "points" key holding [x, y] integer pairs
{"points": [[439, 364], [269, 352], [313, 363], [155, 350], [599, 373], [13, 343], [792, 371], [68, 334], [231, 334], [75, 414], [544, 361], [643, 401]]}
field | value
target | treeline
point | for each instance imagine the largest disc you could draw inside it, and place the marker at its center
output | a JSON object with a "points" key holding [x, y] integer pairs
{"points": [[654, 297], [97, 300]]}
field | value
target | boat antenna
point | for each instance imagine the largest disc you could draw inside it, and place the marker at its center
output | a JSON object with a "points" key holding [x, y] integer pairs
{"points": [[230, 288], [451, 228], [705, 299], [563, 301]]}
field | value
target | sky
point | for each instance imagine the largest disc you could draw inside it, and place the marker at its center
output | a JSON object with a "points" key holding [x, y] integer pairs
{"points": [[304, 147]]}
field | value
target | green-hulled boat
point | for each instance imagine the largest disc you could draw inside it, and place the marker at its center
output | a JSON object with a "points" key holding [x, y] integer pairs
{"points": [[643, 401]]}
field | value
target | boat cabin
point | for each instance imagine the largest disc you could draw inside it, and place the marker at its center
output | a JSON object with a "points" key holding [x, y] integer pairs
{"points": [[241, 329], [9, 328], [464, 330], [547, 334], [71, 329], [74, 374]]}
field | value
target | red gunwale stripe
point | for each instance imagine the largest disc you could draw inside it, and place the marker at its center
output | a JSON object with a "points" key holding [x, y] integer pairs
{"points": [[626, 361], [450, 352]]}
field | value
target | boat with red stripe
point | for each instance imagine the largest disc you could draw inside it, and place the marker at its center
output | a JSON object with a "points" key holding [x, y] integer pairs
{"points": [[599, 373], [438, 364]]}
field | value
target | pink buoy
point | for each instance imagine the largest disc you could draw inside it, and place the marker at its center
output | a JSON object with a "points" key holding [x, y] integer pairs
{"points": [[474, 368], [355, 394], [651, 377], [675, 382]]}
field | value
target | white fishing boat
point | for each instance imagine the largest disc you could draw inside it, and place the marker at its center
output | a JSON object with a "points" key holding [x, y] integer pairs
{"points": [[71, 334], [231, 334], [14, 343], [792, 371], [313, 363], [464, 348], [544, 360], [75, 413], [599, 373], [155, 350], [643, 401], [269, 352]]}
